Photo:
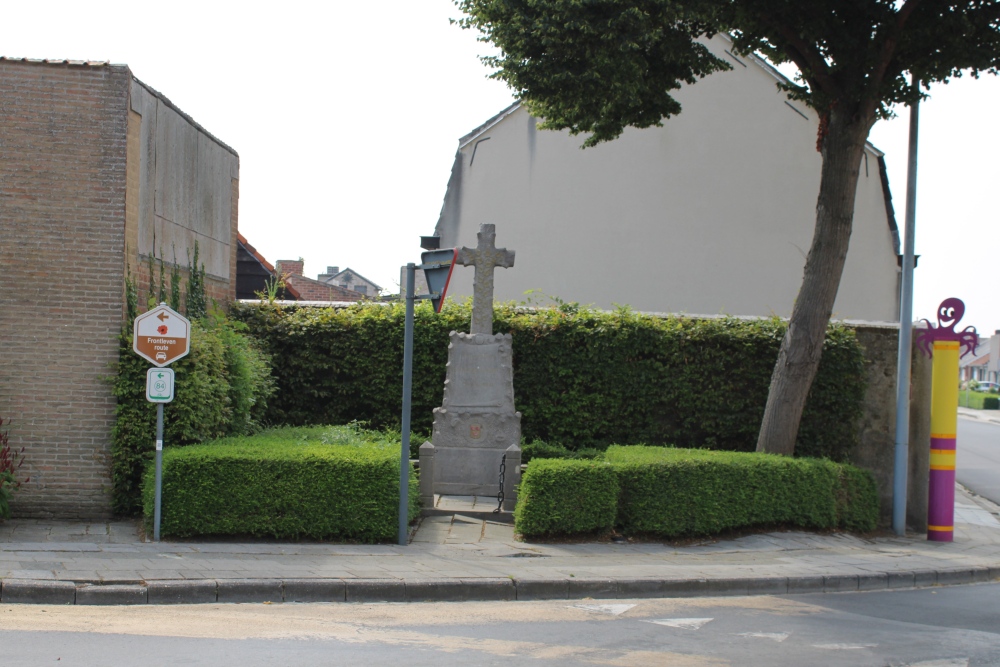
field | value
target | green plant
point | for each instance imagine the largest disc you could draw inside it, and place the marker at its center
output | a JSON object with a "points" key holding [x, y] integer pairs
{"points": [[273, 286], [196, 302], [635, 378], [320, 482], [563, 497], [222, 388], [9, 465], [675, 492], [175, 284], [978, 400]]}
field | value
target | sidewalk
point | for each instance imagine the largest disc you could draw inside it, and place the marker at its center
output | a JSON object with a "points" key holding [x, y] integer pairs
{"points": [[992, 416], [457, 558]]}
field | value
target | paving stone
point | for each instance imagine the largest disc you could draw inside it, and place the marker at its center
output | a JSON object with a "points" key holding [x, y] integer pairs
{"points": [[490, 588], [542, 589], [28, 591], [249, 590], [838, 583], [644, 588], [767, 586], [873, 582], [111, 594], [900, 580], [724, 586], [375, 590], [951, 577], [805, 584], [580, 588], [315, 590], [980, 574], [197, 591]]}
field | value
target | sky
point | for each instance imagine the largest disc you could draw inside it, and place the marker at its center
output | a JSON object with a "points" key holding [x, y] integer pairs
{"points": [[347, 116]]}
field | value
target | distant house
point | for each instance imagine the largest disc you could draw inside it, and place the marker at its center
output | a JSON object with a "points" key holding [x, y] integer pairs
{"points": [[254, 274], [712, 213], [349, 279], [984, 364], [308, 289]]}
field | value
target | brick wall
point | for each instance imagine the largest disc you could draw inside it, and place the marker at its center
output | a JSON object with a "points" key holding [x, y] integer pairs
{"points": [[62, 238]]}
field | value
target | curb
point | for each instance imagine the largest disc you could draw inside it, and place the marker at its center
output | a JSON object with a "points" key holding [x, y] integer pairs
{"points": [[204, 591]]}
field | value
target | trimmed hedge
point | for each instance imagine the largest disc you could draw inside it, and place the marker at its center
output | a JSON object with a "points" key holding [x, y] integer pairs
{"points": [[636, 378], [670, 492], [559, 496], [978, 400], [319, 483]]}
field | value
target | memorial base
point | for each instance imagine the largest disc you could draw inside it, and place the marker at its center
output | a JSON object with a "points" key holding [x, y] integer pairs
{"points": [[469, 448]]}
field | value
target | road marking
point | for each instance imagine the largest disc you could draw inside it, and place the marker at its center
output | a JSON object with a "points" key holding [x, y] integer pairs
{"points": [[682, 623], [613, 609], [844, 647], [946, 662], [776, 636]]}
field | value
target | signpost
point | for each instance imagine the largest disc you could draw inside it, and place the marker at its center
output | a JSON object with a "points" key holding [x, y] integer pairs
{"points": [[437, 266], [161, 336]]}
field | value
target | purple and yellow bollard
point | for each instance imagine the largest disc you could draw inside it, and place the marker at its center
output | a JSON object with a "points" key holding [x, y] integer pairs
{"points": [[943, 343]]}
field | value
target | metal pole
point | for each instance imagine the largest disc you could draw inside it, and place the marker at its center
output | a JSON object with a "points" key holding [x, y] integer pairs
{"points": [[159, 472], [901, 465], [404, 451]]}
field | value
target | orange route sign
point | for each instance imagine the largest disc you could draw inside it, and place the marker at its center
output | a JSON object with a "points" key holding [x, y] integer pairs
{"points": [[161, 336]]}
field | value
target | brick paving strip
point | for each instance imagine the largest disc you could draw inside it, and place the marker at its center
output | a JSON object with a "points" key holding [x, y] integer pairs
{"points": [[455, 558]]}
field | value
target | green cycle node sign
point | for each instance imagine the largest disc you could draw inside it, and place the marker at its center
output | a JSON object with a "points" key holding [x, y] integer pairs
{"points": [[160, 385]]}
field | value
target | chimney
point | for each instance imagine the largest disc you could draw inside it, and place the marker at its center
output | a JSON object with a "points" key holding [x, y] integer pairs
{"points": [[289, 267], [332, 270]]}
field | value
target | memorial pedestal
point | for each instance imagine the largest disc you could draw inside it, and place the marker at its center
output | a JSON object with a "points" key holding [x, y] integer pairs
{"points": [[476, 422]]}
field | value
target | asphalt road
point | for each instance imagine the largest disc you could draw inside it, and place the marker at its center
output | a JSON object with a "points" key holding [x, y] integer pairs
{"points": [[978, 464], [939, 627]]}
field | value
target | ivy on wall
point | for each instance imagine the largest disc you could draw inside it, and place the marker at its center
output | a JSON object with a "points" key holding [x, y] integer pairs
{"points": [[582, 378]]}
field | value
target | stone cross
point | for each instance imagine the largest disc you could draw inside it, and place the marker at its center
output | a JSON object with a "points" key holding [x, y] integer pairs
{"points": [[485, 257]]}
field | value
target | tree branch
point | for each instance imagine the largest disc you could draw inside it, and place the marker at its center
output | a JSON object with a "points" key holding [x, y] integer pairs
{"points": [[889, 48], [808, 59]]}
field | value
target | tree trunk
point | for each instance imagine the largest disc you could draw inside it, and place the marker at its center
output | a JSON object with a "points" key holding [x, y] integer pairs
{"points": [[802, 345]]}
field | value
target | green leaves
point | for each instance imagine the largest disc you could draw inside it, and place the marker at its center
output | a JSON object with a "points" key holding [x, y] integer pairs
{"points": [[596, 66], [284, 483], [582, 378], [667, 492]]}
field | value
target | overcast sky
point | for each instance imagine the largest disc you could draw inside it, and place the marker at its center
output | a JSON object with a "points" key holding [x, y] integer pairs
{"points": [[347, 116]]}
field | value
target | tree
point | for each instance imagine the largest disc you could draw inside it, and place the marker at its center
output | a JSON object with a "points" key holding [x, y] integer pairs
{"points": [[599, 66]]}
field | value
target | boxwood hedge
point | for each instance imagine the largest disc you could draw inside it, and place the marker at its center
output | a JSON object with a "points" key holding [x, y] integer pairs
{"points": [[558, 496], [320, 483], [669, 492], [582, 377]]}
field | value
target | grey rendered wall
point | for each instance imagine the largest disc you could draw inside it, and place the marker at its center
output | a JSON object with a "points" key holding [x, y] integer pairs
{"points": [[185, 188], [877, 430], [713, 213]]}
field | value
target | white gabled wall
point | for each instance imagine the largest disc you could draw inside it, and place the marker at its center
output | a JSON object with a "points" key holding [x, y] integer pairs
{"points": [[711, 213]]}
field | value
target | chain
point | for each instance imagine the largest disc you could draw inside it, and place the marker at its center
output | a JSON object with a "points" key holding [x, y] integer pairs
{"points": [[503, 469]]}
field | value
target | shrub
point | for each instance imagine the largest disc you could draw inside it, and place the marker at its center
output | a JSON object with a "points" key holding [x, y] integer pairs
{"points": [[221, 388], [9, 465], [978, 400], [581, 377], [320, 483], [674, 492], [539, 449], [558, 497]]}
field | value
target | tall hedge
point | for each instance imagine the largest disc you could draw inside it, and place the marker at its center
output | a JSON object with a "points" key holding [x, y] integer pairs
{"points": [[582, 378]]}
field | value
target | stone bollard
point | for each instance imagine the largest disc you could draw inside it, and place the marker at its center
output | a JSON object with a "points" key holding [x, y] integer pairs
{"points": [[512, 477], [427, 475]]}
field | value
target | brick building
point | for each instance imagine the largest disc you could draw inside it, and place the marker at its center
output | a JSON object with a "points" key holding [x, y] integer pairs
{"points": [[98, 171]]}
